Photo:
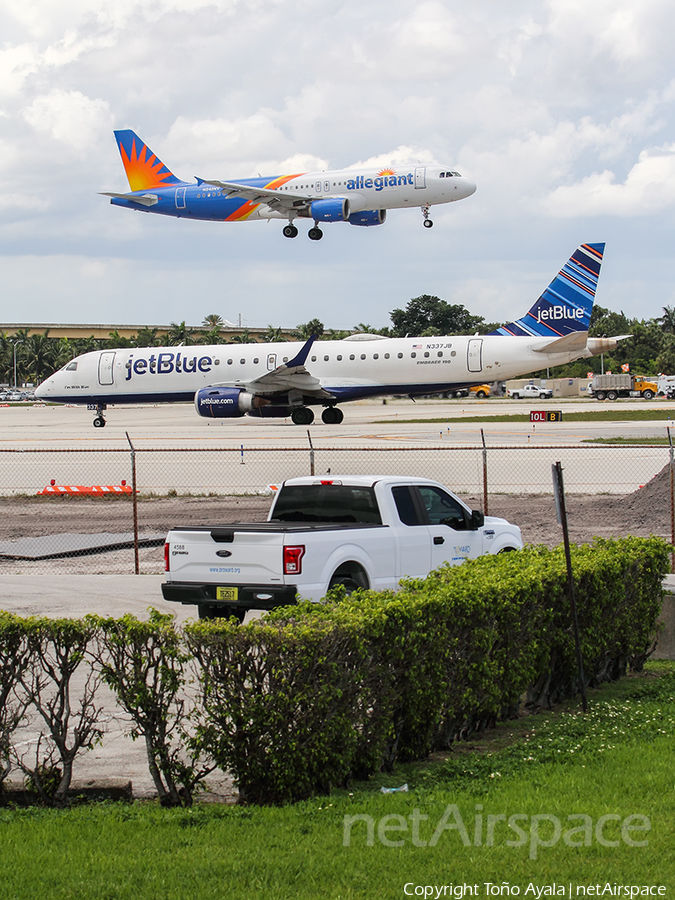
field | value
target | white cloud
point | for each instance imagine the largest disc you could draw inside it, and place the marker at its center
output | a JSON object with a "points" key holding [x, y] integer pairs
{"points": [[649, 188], [70, 117]]}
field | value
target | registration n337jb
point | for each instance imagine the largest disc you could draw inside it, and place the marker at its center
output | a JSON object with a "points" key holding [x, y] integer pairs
{"points": [[287, 379]]}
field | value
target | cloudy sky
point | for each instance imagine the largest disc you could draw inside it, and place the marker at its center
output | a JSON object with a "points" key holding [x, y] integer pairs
{"points": [[561, 111]]}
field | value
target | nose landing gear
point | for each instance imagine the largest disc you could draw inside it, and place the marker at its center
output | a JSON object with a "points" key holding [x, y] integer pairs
{"points": [[99, 419], [427, 221]]}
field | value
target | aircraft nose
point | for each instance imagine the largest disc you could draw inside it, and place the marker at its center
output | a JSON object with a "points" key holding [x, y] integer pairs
{"points": [[469, 188]]}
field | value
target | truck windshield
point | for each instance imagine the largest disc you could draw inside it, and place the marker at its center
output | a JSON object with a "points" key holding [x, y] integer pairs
{"points": [[327, 503]]}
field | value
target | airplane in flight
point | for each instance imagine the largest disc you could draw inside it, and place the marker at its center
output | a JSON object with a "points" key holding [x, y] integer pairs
{"points": [[277, 380], [358, 196]]}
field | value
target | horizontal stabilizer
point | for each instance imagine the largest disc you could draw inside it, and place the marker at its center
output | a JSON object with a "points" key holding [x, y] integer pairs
{"points": [[574, 341], [143, 199]]}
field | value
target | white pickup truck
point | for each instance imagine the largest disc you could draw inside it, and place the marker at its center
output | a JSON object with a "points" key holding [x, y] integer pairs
{"points": [[358, 531], [530, 392]]}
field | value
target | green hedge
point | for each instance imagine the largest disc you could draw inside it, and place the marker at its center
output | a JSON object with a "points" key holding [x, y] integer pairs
{"points": [[314, 694]]}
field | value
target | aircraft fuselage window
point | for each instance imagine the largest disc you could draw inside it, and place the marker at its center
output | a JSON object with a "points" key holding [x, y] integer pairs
{"points": [[386, 356], [326, 358], [426, 354], [352, 356], [413, 355], [453, 353], [363, 356], [242, 361], [314, 359], [376, 356], [230, 361], [339, 357], [440, 353], [256, 360], [400, 356], [285, 359]]}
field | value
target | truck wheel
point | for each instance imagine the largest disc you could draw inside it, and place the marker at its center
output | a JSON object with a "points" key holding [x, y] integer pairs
{"points": [[219, 612], [612, 395], [481, 395], [543, 396], [600, 395], [648, 395], [515, 396], [347, 582]]}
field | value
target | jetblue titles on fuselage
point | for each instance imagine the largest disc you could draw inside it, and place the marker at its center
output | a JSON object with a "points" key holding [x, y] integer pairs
{"points": [[166, 362]]}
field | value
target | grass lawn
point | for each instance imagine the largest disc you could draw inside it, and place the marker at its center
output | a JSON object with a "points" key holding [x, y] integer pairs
{"points": [[613, 763]]}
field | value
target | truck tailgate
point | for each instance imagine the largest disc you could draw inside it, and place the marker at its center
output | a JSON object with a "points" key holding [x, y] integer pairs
{"points": [[226, 556]]}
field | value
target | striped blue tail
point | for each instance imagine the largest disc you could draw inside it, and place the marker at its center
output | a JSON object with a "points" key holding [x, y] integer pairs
{"points": [[567, 303]]}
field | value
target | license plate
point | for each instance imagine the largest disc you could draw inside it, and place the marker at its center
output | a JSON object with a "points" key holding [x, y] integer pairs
{"points": [[230, 594]]}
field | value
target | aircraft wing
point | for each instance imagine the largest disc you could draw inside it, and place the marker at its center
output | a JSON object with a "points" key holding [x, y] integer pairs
{"points": [[273, 198], [290, 376], [144, 199]]}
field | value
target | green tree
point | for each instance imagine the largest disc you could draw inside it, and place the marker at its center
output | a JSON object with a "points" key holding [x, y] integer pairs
{"points": [[146, 337], [314, 326], [181, 334], [667, 320], [37, 357], [213, 336], [426, 316], [213, 320], [606, 322], [665, 361], [273, 335], [116, 341], [244, 338]]}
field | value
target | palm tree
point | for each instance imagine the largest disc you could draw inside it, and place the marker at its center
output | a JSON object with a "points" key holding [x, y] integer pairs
{"points": [[273, 335], [37, 357], [181, 334], [146, 337], [314, 326], [117, 342], [243, 338], [214, 336], [667, 320], [213, 320]]}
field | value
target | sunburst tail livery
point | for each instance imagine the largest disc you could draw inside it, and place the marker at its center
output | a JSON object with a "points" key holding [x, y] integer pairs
{"points": [[278, 380], [359, 196]]}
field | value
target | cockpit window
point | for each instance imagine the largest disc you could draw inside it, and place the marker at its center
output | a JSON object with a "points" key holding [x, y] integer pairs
{"points": [[456, 174], [71, 367], [442, 174]]}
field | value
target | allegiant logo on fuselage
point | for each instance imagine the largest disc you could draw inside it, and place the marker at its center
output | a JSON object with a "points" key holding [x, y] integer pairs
{"points": [[165, 363], [379, 182], [559, 312]]}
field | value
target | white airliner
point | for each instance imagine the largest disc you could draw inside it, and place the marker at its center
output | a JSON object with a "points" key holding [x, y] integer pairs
{"points": [[358, 196], [286, 379]]}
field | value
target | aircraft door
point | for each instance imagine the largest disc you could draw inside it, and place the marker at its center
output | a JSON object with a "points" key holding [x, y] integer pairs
{"points": [[474, 355], [180, 198], [420, 177], [105, 367], [271, 362]]}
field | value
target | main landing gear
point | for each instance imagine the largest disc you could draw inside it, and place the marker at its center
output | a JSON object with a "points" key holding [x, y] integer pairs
{"points": [[427, 221], [290, 231], [331, 415]]}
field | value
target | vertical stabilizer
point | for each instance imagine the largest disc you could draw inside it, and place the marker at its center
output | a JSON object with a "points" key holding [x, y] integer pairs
{"points": [[567, 303], [144, 169]]}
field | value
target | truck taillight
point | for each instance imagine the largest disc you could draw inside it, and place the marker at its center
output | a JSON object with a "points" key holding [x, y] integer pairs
{"points": [[293, 559], [166, 557]]}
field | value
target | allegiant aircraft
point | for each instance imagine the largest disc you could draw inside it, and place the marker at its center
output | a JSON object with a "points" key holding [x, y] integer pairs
{"points": [[357, 196], [227, 381]]}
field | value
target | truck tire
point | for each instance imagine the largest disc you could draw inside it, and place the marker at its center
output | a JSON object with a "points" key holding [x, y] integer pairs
{"points": [[600, 395], [648, 394], [219, 612], [515, 396], [347, 583], [612, 395], [481, 395], [543, 396]]}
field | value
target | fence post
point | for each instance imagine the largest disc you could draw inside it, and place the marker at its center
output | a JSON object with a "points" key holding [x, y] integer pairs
{"points": [[485, 477], [134, 504], [311, 453], [672, 499]]}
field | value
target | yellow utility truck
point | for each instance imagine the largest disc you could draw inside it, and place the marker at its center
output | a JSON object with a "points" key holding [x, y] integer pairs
{"points": [[609, 387]]}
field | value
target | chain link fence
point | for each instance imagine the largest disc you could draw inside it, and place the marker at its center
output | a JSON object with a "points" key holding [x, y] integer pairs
{"points": [[75, 509]]}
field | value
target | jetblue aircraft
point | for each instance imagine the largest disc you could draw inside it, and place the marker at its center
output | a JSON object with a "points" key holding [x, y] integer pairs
{"points": [[286, 379], [357, 196]]}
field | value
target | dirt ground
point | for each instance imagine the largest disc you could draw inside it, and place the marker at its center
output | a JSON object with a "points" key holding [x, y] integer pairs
{"points": [[646, 511]]}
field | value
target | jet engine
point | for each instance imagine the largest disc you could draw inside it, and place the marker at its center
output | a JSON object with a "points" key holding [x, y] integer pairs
{"points": [[330, 209], [226, 403], [368, 217]]}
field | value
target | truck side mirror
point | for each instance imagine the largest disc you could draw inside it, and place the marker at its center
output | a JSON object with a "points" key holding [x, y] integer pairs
{"points": [[477, 520]]}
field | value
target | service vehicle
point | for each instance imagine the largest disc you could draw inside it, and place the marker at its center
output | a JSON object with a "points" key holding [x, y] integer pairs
{"points": [[530, 392], [364, 531], [610, 387], [479, 391]]}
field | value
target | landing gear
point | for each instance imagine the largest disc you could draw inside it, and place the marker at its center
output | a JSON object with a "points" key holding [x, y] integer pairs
{"points": [[302, 416], [315, 234], [427, 221], [99, 419], [332, 415], [290, 231]]}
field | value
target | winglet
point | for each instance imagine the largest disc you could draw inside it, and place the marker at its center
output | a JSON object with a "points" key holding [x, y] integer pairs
{"points": [[300, 358]]}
